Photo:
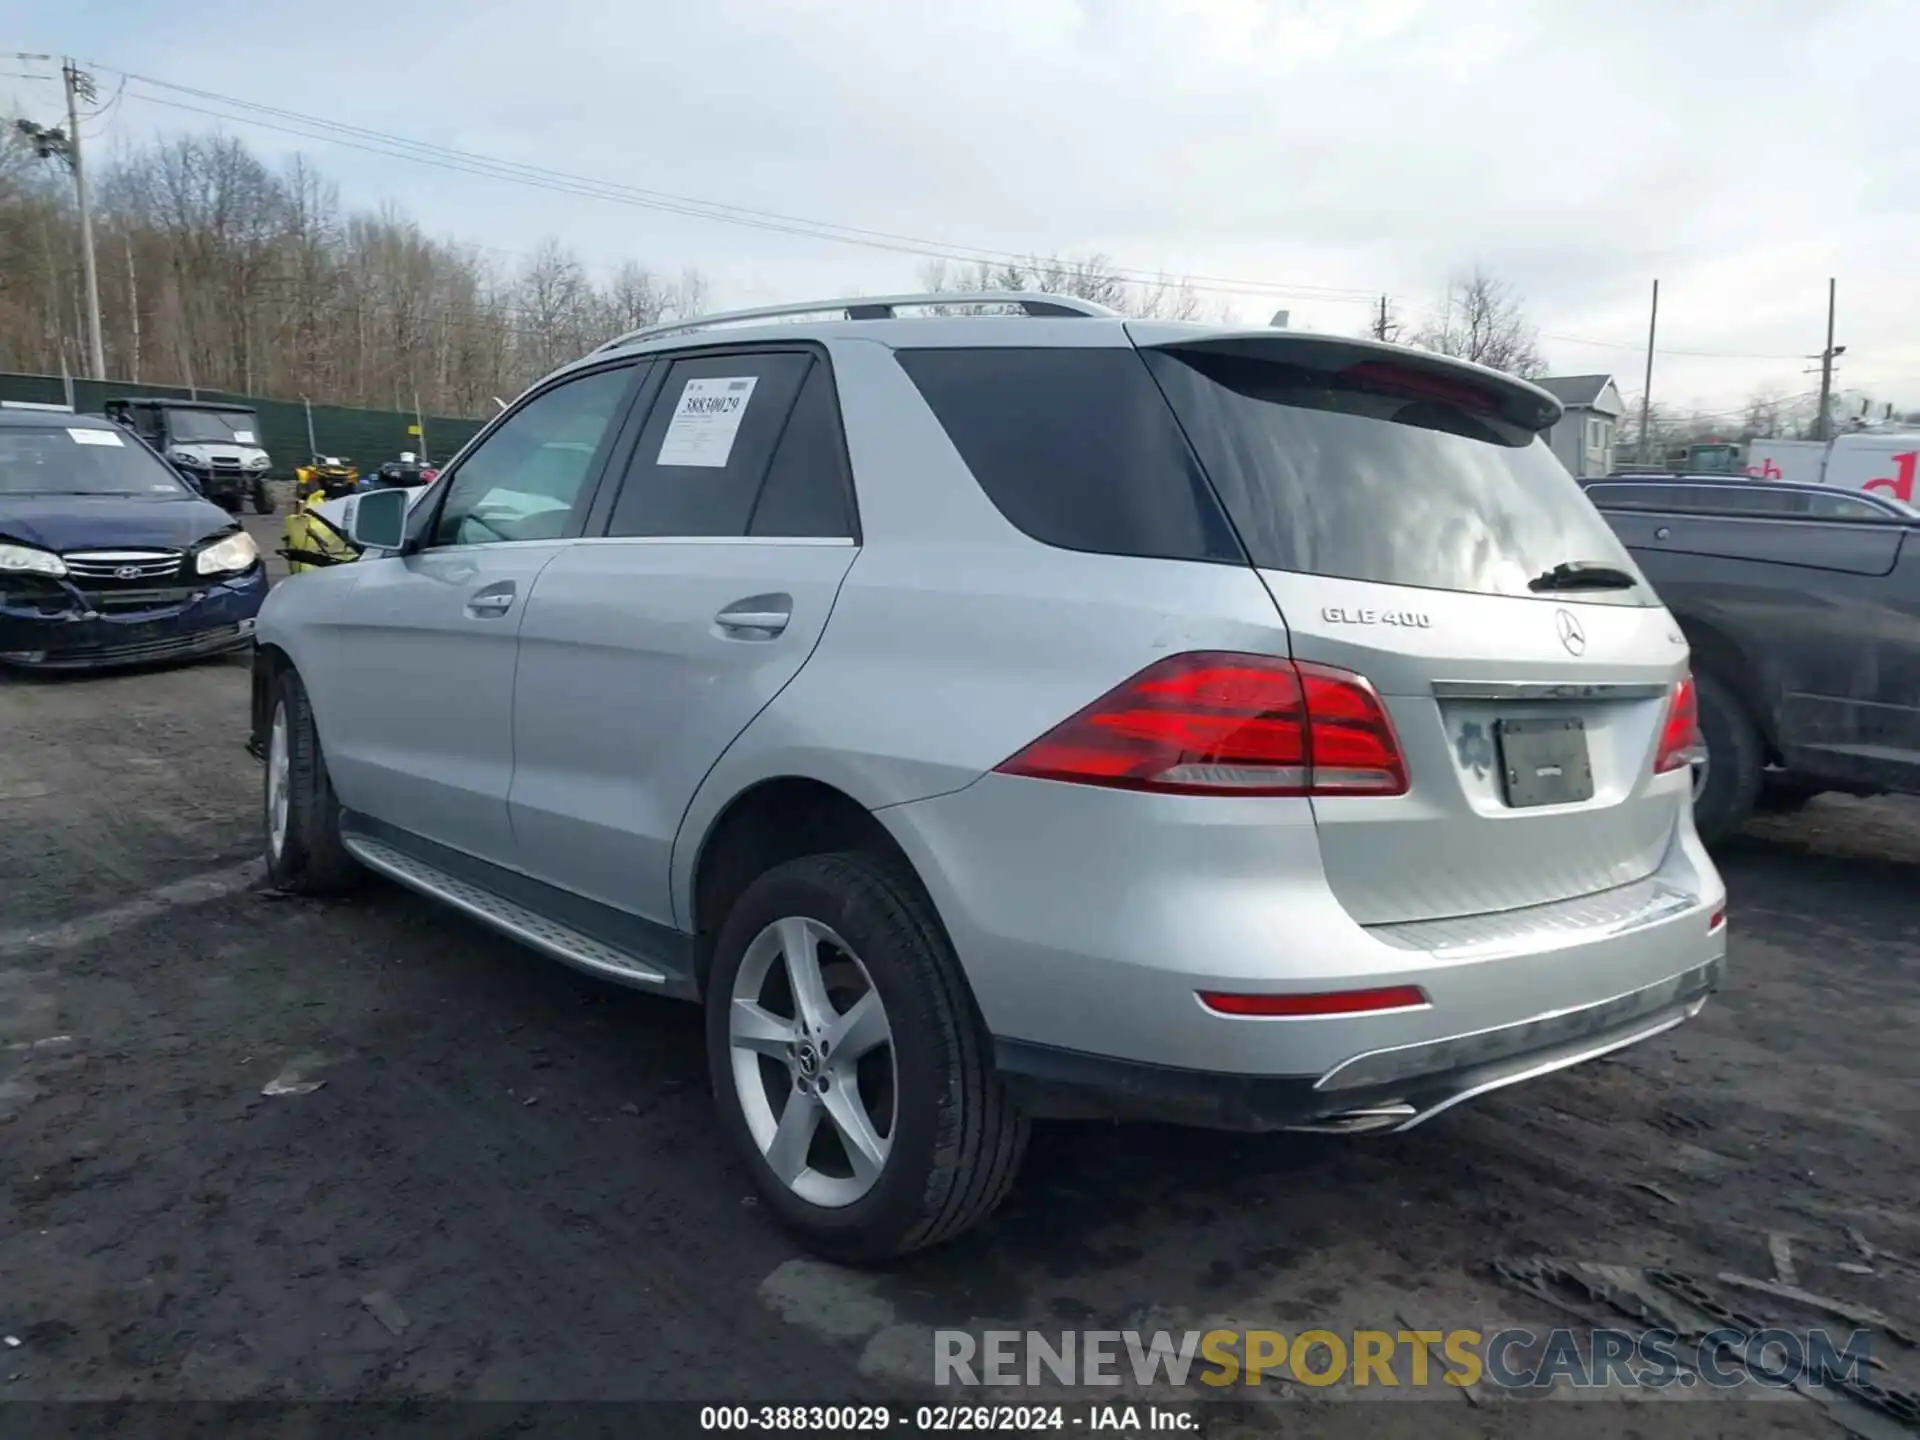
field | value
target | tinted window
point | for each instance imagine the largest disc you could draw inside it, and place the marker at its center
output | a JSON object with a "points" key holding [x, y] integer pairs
{"points": [[1077, 448], [57, 461], [522, 480], [1846, 507], [1366, 479], [698, 466], [806, 491], [1634, 497]]}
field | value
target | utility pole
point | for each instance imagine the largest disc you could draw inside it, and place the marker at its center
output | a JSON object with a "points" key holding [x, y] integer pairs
{"points": [[78, 83], [1646, 387], [1823, 423], [1380, 325]]}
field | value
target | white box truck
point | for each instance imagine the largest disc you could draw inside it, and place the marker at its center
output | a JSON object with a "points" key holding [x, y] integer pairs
{"points": [[1881, 461]]}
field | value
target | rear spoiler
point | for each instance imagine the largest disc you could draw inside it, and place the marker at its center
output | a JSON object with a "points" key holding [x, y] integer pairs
{"points": [[1396, 367]]}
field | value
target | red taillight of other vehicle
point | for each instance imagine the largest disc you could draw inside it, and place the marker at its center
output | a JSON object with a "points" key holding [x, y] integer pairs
{"points": [[1227, 724], [427, 477], [1680, 734]]}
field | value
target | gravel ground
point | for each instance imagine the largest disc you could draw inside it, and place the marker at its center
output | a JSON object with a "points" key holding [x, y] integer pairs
{"points": [[494, 1179]]}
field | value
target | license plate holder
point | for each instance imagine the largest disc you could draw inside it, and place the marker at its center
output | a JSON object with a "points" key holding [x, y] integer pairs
{"points": [[1544, 762]]}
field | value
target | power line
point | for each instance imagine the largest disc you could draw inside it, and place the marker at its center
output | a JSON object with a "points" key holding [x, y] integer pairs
{"points": [[395, 146], [540, 177]]}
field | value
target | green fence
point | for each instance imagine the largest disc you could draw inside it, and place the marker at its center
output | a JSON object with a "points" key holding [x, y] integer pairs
{"points": [[367, 437]]}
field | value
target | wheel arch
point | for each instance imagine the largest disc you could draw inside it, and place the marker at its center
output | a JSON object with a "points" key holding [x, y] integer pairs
{"points": [[269, 660], [768, 823]]}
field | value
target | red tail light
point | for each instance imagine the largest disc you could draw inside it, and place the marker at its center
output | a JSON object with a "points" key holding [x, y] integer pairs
{"points": [[1225, 724], [427, 477], [1680, 735]]}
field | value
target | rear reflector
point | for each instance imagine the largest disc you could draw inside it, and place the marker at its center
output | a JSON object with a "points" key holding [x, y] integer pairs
{"points": [[1328, 1002], [1208, 723], [1718, 922], [1680, 733]]}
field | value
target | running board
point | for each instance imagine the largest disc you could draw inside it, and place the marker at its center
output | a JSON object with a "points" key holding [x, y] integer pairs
{"points": [[529, 927]]}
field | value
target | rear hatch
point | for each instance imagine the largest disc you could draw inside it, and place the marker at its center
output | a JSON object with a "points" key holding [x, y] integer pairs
{"points": [[1414, 529]]}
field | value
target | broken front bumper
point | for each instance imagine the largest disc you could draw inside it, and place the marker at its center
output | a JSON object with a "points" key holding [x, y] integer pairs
{"points": [[71, 630]]}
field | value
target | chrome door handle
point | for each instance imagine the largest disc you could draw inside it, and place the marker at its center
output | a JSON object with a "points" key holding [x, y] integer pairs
{"points": [[491, 601], [756, 617]]}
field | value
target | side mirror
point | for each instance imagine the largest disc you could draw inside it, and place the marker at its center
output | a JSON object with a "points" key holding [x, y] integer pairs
{"points": [[377, 520]]}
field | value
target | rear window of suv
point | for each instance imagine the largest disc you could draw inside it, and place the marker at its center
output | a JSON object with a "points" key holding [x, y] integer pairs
{"points": [[1325, 474], [1112, 450]]}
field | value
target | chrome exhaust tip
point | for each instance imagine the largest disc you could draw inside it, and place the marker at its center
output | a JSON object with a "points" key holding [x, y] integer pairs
{"points": [[1359, 1122]]}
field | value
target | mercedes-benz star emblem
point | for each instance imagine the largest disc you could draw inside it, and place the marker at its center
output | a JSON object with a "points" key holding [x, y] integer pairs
{"points": [[127, 572], [1571, 635]]}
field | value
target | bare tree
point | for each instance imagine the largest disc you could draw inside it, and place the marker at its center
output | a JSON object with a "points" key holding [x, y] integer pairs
{"points": [[1483, 321], [1088, 278], [240, 277], [1761, 417]]}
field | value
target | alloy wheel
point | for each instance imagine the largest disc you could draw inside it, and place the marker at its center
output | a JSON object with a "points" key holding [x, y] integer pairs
{"points": [[279, 780], [813, 1061]]}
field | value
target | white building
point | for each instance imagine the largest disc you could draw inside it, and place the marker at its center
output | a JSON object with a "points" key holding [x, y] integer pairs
{"points": [[1584, 437]]}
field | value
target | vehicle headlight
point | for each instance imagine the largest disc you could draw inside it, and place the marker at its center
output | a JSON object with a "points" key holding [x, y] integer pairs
{"points": [[25, 560], [181, 457], [236, 552], [258, 462]]}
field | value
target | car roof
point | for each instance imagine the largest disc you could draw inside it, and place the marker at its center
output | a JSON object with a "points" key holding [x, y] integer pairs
{"points": [[55, 420], [161, 402], [1094, 328], [1748, 482]]}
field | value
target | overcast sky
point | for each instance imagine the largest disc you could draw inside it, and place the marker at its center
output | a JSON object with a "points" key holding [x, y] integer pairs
{"points": [[1302, 154]]}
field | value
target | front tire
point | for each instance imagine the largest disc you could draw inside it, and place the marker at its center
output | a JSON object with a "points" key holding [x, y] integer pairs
{"points": [[1736, 761], [262, 498], [299, 811], [849, 1064]]}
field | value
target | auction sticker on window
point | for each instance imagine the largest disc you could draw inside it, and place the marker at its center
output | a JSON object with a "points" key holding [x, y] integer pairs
{"points": [[94, 437], [705, 422]]}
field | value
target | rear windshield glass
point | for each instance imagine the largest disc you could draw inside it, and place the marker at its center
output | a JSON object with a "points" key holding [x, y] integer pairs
{"points": [[1325, 476], [80, 461]]}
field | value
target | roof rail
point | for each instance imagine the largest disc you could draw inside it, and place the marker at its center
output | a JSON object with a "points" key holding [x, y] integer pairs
{"points": [[874, 307]]}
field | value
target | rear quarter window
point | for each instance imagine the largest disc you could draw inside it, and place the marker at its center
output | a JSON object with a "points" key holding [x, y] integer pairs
{"points": [[1077, 448]]}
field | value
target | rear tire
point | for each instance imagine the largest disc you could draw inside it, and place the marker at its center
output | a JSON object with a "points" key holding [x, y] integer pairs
{"points": [[953, 1138], [299, 811], [1736, 760]]}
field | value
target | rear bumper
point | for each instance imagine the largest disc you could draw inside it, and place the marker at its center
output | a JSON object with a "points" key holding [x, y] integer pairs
{"points": [[1088, 921], [218, 619], [1386, 1090]]}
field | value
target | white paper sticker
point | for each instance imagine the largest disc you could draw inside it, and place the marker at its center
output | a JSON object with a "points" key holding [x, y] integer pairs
{"points": [[94, 437], [243, 437], [708, 417]]}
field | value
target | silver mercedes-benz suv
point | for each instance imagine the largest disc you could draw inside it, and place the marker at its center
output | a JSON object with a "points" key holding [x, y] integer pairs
{"points": [[1018, 712]]}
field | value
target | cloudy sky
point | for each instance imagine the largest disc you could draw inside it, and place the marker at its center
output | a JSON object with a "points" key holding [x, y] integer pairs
{"points": [[1297, 154]]}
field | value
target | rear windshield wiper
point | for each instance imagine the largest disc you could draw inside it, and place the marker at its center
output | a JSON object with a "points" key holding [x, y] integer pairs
{"points": [[1582, 575]]}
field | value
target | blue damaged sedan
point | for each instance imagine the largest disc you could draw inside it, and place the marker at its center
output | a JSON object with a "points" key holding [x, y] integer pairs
{"points": [[108, 558]]}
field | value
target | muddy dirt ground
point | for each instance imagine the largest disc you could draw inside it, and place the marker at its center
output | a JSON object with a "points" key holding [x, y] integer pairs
{"points": [[491, 1178]]}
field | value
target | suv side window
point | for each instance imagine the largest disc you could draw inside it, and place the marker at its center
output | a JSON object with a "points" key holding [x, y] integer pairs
{"points": [[706, 449], [1846, 507], [522, 481], [806, 494]]}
